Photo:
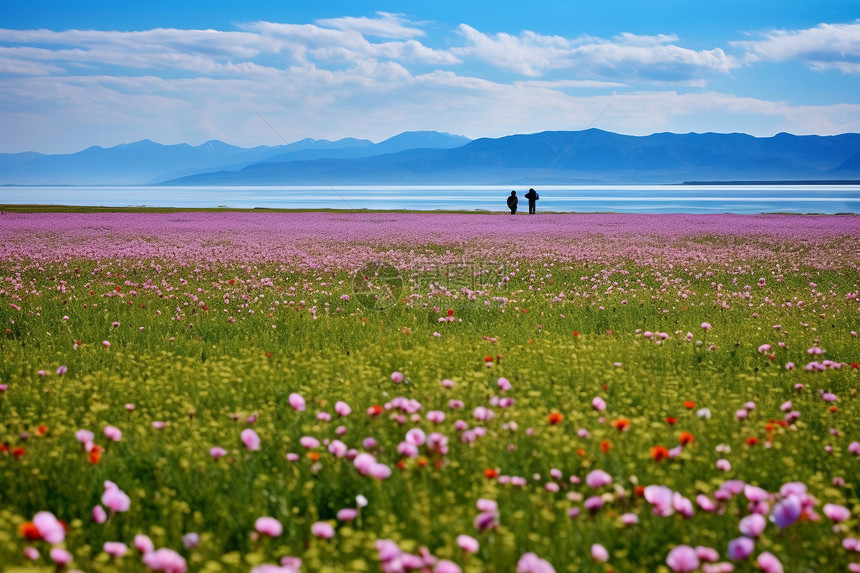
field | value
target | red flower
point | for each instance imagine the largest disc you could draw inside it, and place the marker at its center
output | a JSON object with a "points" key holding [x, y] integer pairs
{"points": [[29, 531], [575, 333], [686, 438], [671, 420], [42, 430], [752, 440], [96, 454], [18, 452], [555, 418], [488, 358], [231, 281], [490, 473], [622, 424], [450, 312], [375, 410], [605, 445], [117, 288], [689, 404], [855, 365], [659, 453]]}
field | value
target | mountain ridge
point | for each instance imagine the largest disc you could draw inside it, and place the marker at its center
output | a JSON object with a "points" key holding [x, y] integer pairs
{"points": [[591, 156]]}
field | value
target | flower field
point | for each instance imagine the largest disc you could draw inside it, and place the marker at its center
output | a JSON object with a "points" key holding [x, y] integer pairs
{"points": [[441, 393]]}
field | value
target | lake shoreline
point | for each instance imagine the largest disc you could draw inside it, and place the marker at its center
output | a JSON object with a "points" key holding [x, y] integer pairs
{"points": [[38, 208]]}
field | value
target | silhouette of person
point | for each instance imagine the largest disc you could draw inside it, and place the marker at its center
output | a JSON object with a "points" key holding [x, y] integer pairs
{"points": [[532, 196], [512, 202]]}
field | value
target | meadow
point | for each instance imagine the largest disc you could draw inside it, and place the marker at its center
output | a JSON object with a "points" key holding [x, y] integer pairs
{"points": [[443, 393]]}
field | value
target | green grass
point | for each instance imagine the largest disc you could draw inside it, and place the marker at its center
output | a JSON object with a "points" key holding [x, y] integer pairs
{"points": [[191, 367]]}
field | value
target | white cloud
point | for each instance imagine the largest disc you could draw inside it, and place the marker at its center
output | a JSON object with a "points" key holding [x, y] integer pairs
{"points": [[386, 26], [824, 47], [372, 78], [626, 57]]}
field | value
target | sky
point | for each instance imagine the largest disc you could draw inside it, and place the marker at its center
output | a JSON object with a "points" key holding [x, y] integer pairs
{"points": [[80, 74]]}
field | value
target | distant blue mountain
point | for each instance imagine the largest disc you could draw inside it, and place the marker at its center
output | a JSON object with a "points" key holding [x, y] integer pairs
{"points": [[144, 162], [564, 157], [414, 158]]}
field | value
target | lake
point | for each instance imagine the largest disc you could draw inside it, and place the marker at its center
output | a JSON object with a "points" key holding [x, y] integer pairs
{"points": [[563, 198]]}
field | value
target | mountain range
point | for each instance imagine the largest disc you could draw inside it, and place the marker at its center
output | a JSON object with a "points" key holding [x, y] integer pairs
{"points": [[592, 156]]}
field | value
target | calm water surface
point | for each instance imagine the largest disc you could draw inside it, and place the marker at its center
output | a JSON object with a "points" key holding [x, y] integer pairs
{"points": [[588, 199]]}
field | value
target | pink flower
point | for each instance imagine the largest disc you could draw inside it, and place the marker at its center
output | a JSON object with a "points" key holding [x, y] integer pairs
{"points": [[445, 566], [309, 442], [416, 437], [740, 548], [191, 540], [105, 343], [113, 433], [115, 549], [629, 519], [31, 553], [468, 543], [143, 543], [836, 512], [397, 377], [504, 384], [764, 348], [786, 511], [724, 465], [599, 553], [707, 553], [217, 452], [268, 526], [297, 402], [660, 497], [531, 563], [769, 563], [99, 515], [597, 479], [84, 436], [250, 439], [705, 503], [598, 403], [61, 557], [483, 414], [115, 499], [165, 560], [682, 558], [755, 493], [706, 326], [342, 409], [380, 471], [752, 525], [436, 416], [347, 514], [322, 530]]}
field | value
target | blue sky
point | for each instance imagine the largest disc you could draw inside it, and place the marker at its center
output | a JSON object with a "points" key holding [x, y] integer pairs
{"points": [[76, 74]]}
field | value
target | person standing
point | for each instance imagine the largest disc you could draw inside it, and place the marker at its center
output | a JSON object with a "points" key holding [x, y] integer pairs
{"points": [[532, 196], [512, 202]]}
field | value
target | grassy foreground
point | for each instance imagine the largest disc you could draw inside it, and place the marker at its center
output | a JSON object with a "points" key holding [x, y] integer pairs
{"points": [[598, 412]]}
